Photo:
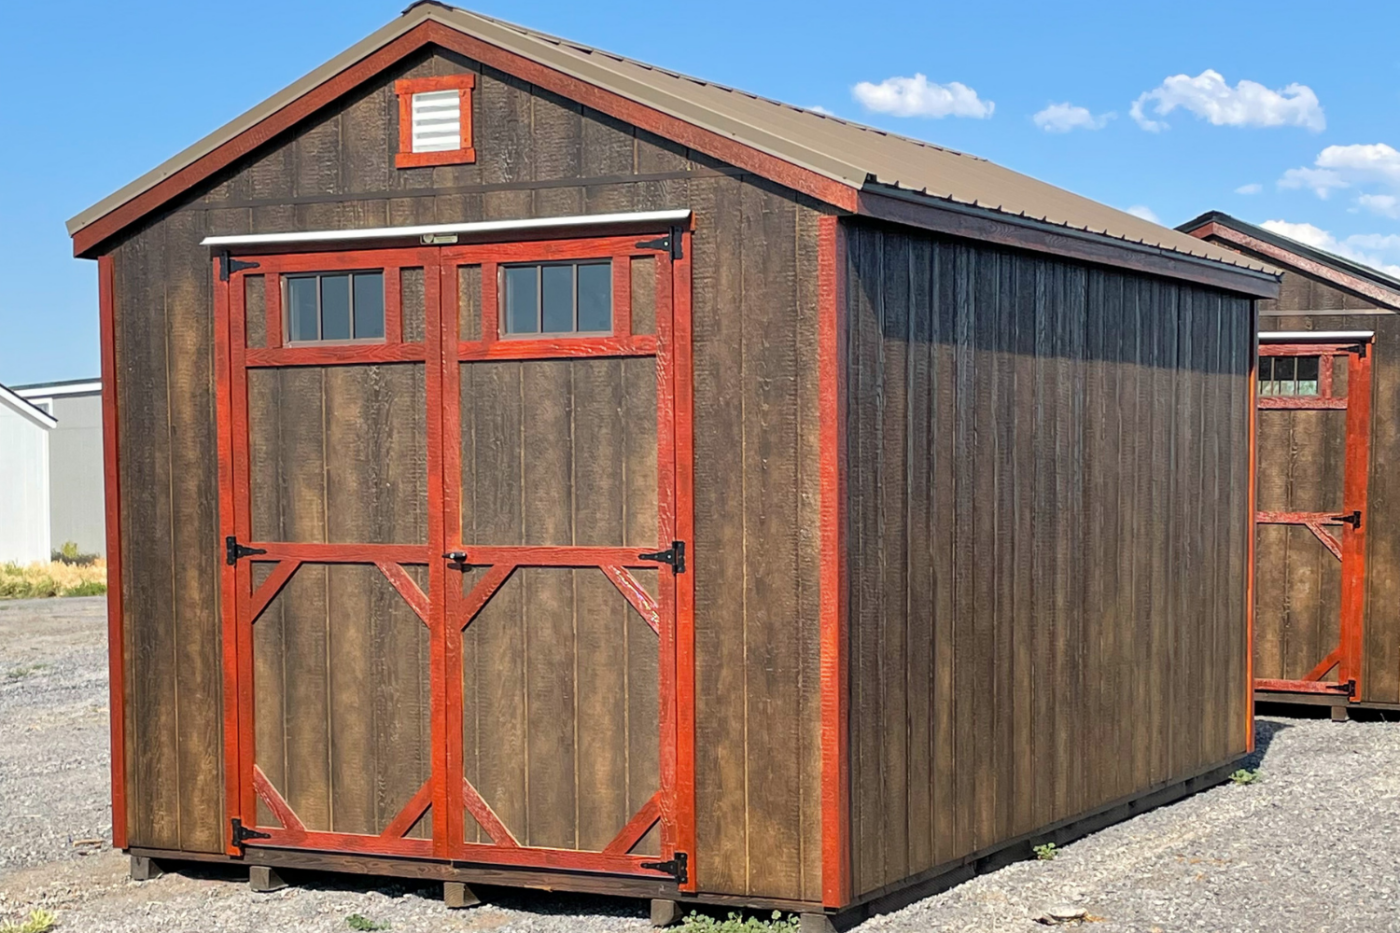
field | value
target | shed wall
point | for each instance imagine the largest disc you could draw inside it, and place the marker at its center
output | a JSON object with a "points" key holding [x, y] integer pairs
{"points": [[1300, 292], [1047, 535], [24, 488], [756, 492]]}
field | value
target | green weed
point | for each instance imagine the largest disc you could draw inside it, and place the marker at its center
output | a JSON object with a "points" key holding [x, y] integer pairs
{"points": [[38, 921], [1046, 853], [736, 923], [361, 922], [1245, 776]]}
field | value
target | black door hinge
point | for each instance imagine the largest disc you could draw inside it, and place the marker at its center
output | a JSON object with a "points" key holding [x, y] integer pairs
{"points": [[233, 551], [228, 266], [1352, 518], [674, 555], [671, 243], [676, 867], [1359, 350], [242, 834]]}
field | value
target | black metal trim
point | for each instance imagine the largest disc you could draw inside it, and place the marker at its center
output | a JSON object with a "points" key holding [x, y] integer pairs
{"points": [[674, 555], [234, 552], [242, 834], [229, 265]]}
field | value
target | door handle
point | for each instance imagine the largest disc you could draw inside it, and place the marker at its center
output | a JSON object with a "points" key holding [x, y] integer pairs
{"points": [[457, 560]]}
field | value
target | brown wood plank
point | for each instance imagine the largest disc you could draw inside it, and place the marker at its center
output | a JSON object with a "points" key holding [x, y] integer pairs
{"points": [[721, 775], [1382, 633], [1020, 307], [942, 467], [146, 540], [768, 394]]}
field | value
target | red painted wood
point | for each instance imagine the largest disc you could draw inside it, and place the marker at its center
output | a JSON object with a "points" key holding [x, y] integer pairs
{"points": [[636, 595], [1266, 685], [408, 589], [622, 296], [835, 714], [331, 354], [637, 827], [683, 790], [666, 530], [269, 590], [1324, 376], [490, 301], [561, 859], [272, 305], [315, 553], [393, 304], [1306, 349], [405, 89], [279, 807], [342, 842], [1301, 402], [556, 348], [481, 594], [484, 815], [111, 481], [1324, 666], [438, 388], [1252, 503], [411, 813], [1355, 497]]}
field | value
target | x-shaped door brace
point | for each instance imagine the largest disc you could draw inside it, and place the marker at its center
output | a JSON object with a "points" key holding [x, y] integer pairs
{"points": [[627, 584]]}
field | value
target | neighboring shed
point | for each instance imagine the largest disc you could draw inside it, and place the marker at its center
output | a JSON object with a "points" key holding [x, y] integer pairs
{"points": [[75, 461], [1328, 543], [24, 480], [623, 483]]}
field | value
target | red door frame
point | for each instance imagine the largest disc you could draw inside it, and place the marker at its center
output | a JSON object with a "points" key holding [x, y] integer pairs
{"points": [[1347, 657], [674, 804]]}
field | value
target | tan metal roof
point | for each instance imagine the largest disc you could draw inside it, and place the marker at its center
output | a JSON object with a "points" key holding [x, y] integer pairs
{"points": [[846, 152]]}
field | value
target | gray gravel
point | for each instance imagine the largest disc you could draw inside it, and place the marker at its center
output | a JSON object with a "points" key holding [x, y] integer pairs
{"points": [[1311, 847]]}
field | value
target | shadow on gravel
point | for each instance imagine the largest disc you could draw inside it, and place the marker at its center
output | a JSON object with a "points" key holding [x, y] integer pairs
{"points": [[1264, 732]]}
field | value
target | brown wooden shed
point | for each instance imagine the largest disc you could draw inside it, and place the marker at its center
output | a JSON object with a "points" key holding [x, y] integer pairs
{"points": [[529, 466], [1327, 604]]}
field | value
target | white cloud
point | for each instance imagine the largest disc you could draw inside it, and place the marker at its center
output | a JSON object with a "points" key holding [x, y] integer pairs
{"points": [[1346, 167], [1061, 118], [1372, 249], [1145, 212], [920, 97], [1248, 103], [1251, 188], [818, 108], [1387, 205]]}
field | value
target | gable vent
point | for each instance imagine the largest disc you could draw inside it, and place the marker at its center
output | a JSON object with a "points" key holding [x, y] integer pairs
{"points": [[437, 121]]}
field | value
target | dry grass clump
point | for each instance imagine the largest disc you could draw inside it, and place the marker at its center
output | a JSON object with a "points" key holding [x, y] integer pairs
{"points": [[54, 578]]}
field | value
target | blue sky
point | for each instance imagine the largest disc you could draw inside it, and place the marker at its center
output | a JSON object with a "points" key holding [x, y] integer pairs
{"points": [[101, 92]]}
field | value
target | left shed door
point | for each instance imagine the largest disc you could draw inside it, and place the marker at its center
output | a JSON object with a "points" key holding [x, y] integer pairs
{"points": [[331, 636]]}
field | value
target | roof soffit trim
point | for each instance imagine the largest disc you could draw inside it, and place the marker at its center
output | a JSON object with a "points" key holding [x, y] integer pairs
{"points": [[1219, 227], [957, 219]]}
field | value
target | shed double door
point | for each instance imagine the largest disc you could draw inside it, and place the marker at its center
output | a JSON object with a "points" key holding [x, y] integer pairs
{"points": [[1312, 463], [454, 592]]}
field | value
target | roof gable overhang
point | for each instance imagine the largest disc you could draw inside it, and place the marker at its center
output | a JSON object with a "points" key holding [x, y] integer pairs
{"points": [[820, 175], [1294, 255]]}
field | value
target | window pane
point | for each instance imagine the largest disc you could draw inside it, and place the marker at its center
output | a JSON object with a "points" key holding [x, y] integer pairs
{"points": [[595, 297], [301, 308], [1307, 375], [335, 307], [557, 306], [522, 301], [369, 305]]}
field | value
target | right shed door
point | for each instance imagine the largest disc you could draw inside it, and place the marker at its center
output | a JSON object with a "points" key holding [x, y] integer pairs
{"points": [[1312, 460]]}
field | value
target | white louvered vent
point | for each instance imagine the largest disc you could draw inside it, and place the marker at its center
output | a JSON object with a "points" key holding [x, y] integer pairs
{"points": [[437, 121]]}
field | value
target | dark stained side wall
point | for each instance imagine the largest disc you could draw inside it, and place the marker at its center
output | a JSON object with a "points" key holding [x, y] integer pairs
{"points": [[756, 494], [1047, 538]]}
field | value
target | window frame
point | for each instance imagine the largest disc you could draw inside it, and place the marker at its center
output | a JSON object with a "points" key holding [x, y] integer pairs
{"points": [[318, 274], [405, 88], [502, 297]]}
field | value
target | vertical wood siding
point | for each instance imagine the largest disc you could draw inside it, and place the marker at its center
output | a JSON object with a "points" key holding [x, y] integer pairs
{"points": [[755, 559], [1047, 525]]}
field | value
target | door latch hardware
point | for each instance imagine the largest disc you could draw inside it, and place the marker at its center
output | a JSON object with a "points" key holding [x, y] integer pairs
{"points": [[233, 551], [674, 555], [1352, 518], [458, 560], [676, 867], [228, 266], [242, 834]]}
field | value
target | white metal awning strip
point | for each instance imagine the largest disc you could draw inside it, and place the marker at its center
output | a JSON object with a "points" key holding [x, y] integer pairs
{"points": [[1314, 336], [634, 218]]}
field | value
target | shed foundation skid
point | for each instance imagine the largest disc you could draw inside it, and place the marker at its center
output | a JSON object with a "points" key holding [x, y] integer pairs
{"points": [[545, 470]]}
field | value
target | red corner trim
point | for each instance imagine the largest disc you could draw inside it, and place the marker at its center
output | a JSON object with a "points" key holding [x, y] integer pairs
{"points": [[116, 645]]}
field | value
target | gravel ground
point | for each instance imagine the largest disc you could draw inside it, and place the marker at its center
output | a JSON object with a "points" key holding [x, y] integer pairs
{"points": [[1313, 846]]}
